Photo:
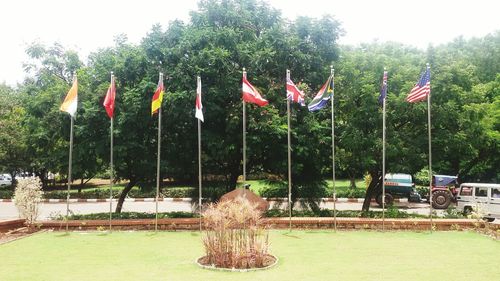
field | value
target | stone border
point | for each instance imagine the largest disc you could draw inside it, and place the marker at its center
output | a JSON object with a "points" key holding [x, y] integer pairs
{"points": [[276, 260], [187, 199]]}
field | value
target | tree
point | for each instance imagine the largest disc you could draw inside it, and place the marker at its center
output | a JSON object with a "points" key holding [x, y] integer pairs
{"points": [[13, 136]]}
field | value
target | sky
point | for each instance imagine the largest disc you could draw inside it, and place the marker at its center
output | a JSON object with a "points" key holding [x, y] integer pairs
{"points": [[86, 26]]}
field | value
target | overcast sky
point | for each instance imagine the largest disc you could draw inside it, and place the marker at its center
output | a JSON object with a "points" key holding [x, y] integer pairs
{"points": [[88, 25]]}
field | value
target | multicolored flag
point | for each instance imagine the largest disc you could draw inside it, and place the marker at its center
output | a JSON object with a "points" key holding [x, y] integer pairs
{"points": [[422, 89], [383, 89], [199, 107], [71, 101], [251, 95], [157, 97], [293, 93], [109, 100], [322, 97]]}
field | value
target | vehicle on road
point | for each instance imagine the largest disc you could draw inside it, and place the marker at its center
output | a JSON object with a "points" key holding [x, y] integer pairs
{"points": [[398, 186], [5, 180], [444, 191], [483, 198]]}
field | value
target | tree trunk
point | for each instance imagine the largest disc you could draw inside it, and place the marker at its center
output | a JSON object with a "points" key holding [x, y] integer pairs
{"points": [[352, 181], [374, 187], [80, 186], [124, 193]]}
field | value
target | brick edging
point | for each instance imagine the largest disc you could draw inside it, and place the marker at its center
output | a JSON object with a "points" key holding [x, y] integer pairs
{"points": [[169, 199], [278, 223]]}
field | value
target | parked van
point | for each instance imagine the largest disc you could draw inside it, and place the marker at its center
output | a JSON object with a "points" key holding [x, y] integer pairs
{"points": [[5, 180], [485, 196]]}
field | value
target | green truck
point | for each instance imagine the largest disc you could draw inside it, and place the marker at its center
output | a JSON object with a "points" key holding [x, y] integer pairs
{"points": [[398, 186]]}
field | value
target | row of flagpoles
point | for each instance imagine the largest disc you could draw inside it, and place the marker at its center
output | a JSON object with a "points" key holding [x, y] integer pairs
{"points": [[420, 92]]}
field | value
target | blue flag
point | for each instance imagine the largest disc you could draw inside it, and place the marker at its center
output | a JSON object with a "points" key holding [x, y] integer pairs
{"points": [[383, 89]]}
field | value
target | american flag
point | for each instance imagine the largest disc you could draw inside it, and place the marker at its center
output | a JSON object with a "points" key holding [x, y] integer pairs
{"points": [[293, 93], [422, 89], [383, 90]]}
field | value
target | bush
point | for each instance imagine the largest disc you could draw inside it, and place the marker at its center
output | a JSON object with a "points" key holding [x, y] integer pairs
{"points": [[127, 215], [27, 195], [234, 236], [422, 177]]}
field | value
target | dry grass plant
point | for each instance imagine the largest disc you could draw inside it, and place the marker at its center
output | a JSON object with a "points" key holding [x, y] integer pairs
{"points": [[234, 235]]}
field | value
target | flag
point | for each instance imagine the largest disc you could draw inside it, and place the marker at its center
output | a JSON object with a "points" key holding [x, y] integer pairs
{"points": [[70, 102], [322, 97], [422, 89], [157, 97], [109, 100], [199, 107], [250, 94], [383, 89], [293, 93]]}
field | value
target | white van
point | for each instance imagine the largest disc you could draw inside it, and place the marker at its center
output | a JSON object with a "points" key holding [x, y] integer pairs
{"points": [[485, 196]]}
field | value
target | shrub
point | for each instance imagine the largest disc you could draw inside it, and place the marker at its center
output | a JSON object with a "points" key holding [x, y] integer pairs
{"points": [[27, 195], [234, 236]]}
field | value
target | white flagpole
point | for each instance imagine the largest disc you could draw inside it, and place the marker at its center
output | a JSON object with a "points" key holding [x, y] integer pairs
{"points": [[199, 157], [111, 172], [69, 165], [69, 171], [158, 162], [383, 154], [430, 150], [332, 73], [244, 137], [289, 160]]}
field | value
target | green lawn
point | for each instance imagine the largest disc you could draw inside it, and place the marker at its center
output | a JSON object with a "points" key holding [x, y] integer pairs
{"points": [[304, 255]]}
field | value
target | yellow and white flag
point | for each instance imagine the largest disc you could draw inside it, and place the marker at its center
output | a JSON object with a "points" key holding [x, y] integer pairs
{"points": [[71, 100]]}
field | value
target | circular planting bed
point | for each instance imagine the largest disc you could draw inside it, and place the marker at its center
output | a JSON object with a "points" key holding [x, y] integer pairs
{"points": [[269, 261]]}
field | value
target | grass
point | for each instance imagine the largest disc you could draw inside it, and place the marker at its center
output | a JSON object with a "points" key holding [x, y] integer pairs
{"points": [[303, 255], [341, 186]]}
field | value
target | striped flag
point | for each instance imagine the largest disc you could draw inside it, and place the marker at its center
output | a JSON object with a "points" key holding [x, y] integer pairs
{"points": [[251, 95], [199, 107], [422, 89], [293, 93], [383, 89], [157, 97], [109, 100], [322, 97], [70, 102]]}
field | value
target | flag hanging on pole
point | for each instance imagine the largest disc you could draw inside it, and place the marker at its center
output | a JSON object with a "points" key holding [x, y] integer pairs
{"points": [[71, 101], [322, 97], [109, 100], [157, 97], [251, 95], [199, 106], [422, 89], [293, 93], [383, 89]]}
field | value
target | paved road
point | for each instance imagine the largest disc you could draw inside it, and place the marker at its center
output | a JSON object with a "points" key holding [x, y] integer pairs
{"points": [[48, 210]]}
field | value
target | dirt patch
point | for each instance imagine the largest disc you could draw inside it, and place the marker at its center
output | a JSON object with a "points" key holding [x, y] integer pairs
{"points": [[268, 262], [16, 234]]}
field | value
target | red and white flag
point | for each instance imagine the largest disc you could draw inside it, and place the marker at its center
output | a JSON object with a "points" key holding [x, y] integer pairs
{"points": [[293, 93], [109, 100], [250, 94], [199, 107]]}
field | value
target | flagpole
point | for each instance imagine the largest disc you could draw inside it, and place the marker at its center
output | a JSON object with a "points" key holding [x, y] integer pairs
{"points": [[69, 170], [158, 162], [289, 160], [244, 138], [199, 159], [383, 157], [111, 172], [332, 73], [430, 150]]}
